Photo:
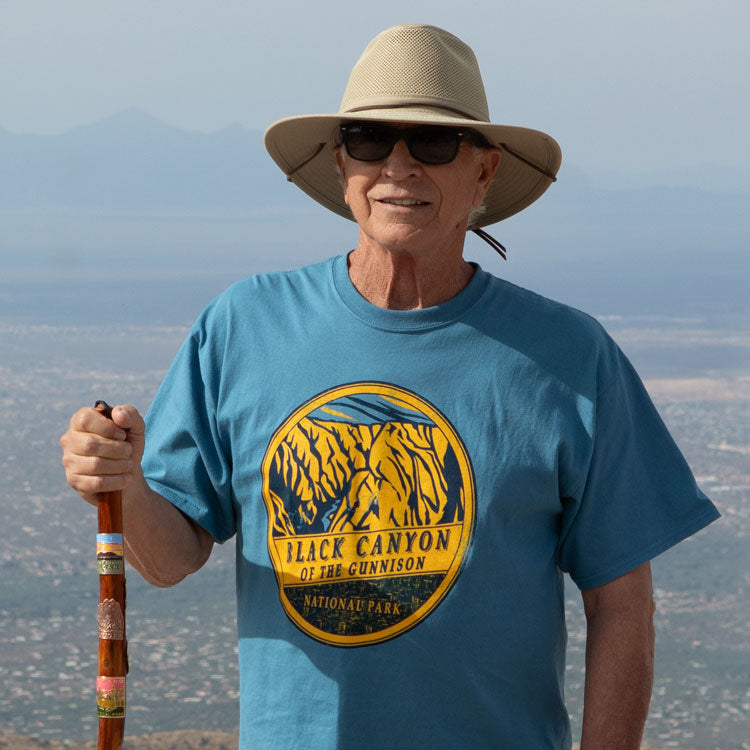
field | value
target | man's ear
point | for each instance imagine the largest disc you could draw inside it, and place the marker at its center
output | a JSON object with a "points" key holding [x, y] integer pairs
{"points": [[489, 163], [341, 168]]}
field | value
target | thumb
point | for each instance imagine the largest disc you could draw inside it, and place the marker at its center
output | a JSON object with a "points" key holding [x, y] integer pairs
{"points": [[129, 419]]}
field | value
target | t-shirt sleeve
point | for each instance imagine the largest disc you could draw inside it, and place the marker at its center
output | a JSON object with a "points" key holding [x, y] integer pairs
{"points": [[186, 459], [638, 497]]}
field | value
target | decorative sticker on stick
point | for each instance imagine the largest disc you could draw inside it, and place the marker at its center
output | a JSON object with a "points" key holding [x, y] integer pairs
{"points": [[110, 697], [109, 554]]}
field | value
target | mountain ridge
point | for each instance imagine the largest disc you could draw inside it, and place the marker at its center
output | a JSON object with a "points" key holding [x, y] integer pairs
{"points": [[131, 159]]}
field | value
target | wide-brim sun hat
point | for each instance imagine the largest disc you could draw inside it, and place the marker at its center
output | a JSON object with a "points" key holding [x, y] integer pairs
{"points": [[420, 75]]}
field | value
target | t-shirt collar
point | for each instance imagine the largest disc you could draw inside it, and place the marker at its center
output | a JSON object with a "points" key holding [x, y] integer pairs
{"points": [[407, 320]]}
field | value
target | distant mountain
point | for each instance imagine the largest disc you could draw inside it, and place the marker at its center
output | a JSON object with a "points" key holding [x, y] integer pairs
{"points": [[132, 161]]}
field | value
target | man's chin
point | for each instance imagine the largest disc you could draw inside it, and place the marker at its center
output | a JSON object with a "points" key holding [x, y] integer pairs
{"points": [[398, 238]]}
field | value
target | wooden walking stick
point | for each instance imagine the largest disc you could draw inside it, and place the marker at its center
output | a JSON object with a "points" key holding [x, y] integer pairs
{"points": [[113, 647]]}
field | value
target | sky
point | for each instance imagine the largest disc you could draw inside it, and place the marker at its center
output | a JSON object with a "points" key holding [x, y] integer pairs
{"points": [[637, 86]]}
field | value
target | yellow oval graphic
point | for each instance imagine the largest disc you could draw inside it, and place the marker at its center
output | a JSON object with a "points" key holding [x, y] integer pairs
{"points": [[371, 504]]}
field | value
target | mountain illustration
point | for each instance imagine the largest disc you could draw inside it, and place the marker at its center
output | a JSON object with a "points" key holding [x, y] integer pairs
{"points": [[334, 476]]}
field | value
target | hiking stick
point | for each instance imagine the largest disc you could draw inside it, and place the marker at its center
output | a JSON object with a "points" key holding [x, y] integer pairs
{"points": [[113, 657]]}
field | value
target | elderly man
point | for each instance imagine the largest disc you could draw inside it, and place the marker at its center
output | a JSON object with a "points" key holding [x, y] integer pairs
{"points": [[409, 451]]}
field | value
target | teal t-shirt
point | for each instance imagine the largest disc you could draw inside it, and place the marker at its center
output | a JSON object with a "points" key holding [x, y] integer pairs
{"points": [[406, 489]]}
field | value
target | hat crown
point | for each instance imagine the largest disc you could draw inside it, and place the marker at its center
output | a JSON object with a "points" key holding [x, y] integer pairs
{"points": [[417, 65]]}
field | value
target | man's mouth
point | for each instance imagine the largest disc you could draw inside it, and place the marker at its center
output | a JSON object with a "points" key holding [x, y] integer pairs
{"points": [[402, 201]]}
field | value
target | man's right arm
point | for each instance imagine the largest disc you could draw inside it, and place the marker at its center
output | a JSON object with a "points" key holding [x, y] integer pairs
{"points": [[101, 455]]}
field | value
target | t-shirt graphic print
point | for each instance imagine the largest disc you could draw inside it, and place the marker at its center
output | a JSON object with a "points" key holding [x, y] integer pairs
{"points": [[371, 504]]}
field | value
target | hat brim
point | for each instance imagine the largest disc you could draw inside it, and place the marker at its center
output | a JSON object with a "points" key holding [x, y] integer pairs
{"points": [[302, 147]]}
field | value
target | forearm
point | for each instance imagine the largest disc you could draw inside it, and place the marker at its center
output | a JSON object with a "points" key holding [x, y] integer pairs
{"points": [[619, 672], [161, 543]]}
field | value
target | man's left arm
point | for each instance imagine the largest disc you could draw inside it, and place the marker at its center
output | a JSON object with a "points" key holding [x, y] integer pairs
{"points": [[619, 661]]}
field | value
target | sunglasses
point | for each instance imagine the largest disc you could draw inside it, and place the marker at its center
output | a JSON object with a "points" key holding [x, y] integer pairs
{"points": [[429, 144]]}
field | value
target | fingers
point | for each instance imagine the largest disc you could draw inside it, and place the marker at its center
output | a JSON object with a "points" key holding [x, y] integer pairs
{"points": [[89, 487], [90, 444], [128, 418], [92, 434], [89, 420], [98, 455], [96, 466]]}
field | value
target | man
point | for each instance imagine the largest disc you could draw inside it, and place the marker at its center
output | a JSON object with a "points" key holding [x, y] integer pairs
{"points": [[409, 450]]}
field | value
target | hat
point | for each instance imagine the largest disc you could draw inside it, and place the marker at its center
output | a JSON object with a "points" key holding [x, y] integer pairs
{"points": [[422, 75]]}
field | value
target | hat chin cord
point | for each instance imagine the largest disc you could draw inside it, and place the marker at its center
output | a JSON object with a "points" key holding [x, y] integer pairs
{"points": [[488, 238], [492, 242]]}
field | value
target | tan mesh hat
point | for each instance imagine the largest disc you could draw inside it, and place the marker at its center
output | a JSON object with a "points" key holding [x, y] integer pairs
{"points": [[422, 75]]}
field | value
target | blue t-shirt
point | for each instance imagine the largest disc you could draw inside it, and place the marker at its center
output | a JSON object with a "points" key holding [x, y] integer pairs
{"points": [[407, 488]]}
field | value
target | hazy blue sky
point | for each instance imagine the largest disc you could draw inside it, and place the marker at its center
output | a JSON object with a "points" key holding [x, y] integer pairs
{"points": [[635, 85]]}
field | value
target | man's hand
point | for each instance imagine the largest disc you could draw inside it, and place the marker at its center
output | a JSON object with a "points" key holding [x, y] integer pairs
{"points": [[98, 454], [619, 661], [161, 543]]}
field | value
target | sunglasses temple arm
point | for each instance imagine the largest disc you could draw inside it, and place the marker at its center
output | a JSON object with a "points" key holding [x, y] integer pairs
{"points": [[492, 242]]}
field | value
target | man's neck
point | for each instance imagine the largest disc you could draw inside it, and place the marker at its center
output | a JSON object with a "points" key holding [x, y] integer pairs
{"points": [[407, 281]]}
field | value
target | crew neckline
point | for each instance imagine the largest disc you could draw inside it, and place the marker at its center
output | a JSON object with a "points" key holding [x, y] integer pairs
{"points": [[406, 320]]}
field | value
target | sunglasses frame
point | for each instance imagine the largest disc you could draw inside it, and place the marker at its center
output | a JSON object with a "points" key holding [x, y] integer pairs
{"points": [[409, 136]]}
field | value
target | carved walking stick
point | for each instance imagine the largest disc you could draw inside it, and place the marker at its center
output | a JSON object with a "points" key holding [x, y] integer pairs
{"points": [[113, 656]]}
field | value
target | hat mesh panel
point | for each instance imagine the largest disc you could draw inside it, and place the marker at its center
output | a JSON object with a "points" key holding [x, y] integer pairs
{"points": [[418, 64]]}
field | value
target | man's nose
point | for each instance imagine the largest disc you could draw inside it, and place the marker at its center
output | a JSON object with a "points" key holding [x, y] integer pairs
{"points": [[400, 163]]}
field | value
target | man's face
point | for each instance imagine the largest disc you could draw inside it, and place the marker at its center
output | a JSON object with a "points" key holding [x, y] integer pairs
{"points": [[405, 205]]}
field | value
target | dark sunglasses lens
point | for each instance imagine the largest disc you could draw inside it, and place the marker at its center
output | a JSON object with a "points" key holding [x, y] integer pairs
{"points": [[369, 142], [433, 145], [430, 145]]}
